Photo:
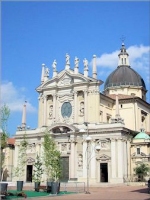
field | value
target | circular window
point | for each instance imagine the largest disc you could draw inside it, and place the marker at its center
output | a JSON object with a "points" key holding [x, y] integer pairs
{"points": [[66, 109]]}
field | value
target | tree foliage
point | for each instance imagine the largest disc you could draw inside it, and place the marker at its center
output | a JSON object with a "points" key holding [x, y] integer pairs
{"points": [[22, 157], [51, 157], [142, 170], [37, 170], [4, 116]]}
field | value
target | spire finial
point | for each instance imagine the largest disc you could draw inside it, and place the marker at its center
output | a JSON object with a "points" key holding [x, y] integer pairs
{"points": [[122, 39]]}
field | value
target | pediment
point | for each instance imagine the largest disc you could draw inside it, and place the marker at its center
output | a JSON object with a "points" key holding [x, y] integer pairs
{"points": [[64, 78], [30, 160], [103, 157]]}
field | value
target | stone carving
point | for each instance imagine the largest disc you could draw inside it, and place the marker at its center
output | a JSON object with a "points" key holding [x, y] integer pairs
{"points": [[51, 111], [80, 161], [103, 145], [76, 62], [54, 65], [69, 146], [82, 109], [67, 59], [103, 157], [30, 160], [85, 62], [31, 148], [63, 147], [66, 119]]}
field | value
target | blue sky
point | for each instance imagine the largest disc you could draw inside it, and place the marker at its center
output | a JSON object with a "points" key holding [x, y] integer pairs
{"points": [[39, 32]]}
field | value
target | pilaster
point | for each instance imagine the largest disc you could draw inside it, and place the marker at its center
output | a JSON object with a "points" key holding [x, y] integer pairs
{"points": [[85, 105], [45, 111], [84, 159], [113, 159], [75, 107]]}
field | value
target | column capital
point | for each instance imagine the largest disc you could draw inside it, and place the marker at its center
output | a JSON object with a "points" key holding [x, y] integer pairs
{"points": [[113, 139]]}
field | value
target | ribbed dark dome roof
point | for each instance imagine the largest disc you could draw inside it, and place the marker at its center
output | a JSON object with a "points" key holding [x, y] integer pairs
{"points": [[124, 75]]}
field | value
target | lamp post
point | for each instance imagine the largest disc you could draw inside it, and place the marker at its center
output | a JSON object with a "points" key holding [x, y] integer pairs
{"points": [[88, 140]]}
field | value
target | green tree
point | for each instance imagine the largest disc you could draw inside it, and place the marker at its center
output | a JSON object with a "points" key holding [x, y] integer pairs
{"points": [[4, 116], [22, 157], [37, 170], [51, 157], [142, 170]]}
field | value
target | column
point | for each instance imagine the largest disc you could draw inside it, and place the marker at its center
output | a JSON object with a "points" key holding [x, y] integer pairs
{"points": [[128, 158], [86, 106], [113, 159], [125, 158], [45, 111], [16, 155], [75, 107], [54, 107], [120, 158], [93, 160], [72, 172], [75, 160], [84, 159]]}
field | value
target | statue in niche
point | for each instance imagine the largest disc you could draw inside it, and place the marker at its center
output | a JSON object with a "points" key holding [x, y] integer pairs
{"points": [[67, 59], [76, 62], [85, 62], [54, 65], [80, 161], [50, 111], [69, 146], [81, 108], [64, 147]]}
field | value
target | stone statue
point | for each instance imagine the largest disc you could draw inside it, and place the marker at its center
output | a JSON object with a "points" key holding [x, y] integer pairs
{"points": [[76, 62], [85, 62], [50, 111], [80, 161], [81, 108], [54, 65], [67, 59]]}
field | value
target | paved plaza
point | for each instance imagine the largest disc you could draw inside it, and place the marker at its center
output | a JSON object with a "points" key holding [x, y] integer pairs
{"points": [[106, 193]]}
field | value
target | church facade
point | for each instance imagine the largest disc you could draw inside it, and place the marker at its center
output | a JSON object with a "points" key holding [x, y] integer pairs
{"points": [[73, 110]]}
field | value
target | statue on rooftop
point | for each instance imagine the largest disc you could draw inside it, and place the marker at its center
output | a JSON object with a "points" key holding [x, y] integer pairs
{"points": [[67, 59], [85, 62], [54, 65], [76, 62]]}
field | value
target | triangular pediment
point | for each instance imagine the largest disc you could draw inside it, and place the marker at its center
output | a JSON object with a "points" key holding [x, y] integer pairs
{"points": [[64, 78]]}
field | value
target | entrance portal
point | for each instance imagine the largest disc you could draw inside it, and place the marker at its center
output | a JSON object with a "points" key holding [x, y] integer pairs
{"points": [[65, 168], [29, 173], [103, 172]]}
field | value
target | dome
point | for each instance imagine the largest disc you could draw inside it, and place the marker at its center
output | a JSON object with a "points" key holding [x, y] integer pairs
{"points": [[142, 135], [124, 75]]}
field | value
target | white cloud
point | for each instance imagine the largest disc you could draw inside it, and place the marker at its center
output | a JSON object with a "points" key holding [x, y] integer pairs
{"points": [[108, 60], [14, 98]]}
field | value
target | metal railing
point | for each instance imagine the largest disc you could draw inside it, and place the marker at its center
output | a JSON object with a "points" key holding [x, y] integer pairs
{"points": [[77, 187]]}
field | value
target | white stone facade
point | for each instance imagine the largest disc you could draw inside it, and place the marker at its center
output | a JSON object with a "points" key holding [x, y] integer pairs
{"points": [[69, 99]]}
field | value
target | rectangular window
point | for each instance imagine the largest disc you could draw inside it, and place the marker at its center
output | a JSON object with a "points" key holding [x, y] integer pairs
{"points": [[138, 151]]}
